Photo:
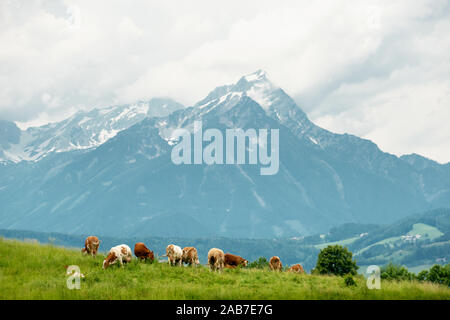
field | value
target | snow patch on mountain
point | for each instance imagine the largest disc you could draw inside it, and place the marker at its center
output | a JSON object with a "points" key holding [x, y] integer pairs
{"points": [[262, 91], [255, 76]]}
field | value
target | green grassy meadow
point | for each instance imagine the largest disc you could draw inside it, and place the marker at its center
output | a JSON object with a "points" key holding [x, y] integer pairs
{"points": [[344, 242], [35, 271]]}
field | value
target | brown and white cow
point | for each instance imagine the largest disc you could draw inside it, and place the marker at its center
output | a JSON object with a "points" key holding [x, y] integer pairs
{"points": [[275, 263], [174, 254], [91, 245], [142, 252], [296, 268], [190, 256], [216, 259], [121, 253], [233, 261]]}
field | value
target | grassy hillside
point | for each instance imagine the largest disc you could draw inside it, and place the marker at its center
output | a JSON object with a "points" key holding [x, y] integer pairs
{"points": [[34, 271], [371, 244], [344, 242], [290, 251]]}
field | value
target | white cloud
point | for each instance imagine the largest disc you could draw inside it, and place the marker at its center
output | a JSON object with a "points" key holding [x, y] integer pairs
{"points": [[361, 67]]}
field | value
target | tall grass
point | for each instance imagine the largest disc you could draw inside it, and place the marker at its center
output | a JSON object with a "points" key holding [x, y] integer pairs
{"points": [[34, 271]]}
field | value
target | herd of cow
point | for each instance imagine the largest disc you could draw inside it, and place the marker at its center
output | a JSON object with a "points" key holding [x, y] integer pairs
{"points": [[217, 259]]}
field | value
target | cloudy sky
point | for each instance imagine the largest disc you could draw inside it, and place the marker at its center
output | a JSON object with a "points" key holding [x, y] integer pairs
{"points": [[376, 69]]}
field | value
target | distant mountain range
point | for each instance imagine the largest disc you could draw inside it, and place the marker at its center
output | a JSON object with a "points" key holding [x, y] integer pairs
{"points": [[84, 130], [109, 172]]}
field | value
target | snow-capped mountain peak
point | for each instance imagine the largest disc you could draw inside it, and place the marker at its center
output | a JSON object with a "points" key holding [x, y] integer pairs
{"points": [[255, 85], [259, 75], [272, 99]]}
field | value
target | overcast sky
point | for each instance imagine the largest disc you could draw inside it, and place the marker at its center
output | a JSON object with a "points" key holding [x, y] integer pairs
{"points": [[376, 69]]}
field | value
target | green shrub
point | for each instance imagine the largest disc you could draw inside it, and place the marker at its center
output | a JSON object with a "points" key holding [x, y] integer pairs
{"points": [[423, 275], [261, 263], [335, 260], [396, 272], [437, 274], [349, 281]]}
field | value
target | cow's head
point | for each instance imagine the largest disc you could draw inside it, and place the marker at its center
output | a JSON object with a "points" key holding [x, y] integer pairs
{"points": [[110, 259], [245, 263], [151, 256]]}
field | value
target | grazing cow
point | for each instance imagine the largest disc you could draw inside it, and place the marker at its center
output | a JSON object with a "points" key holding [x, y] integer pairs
{"points": [[233, 261], [190, 256], [174, 254], [91, 245], [142, 252], [121, 253], [275, 263], [216, 259], [296, 268]]}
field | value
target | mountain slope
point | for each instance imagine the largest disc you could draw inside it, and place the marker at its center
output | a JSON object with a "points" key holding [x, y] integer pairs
{"points": [[432, 178]]}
